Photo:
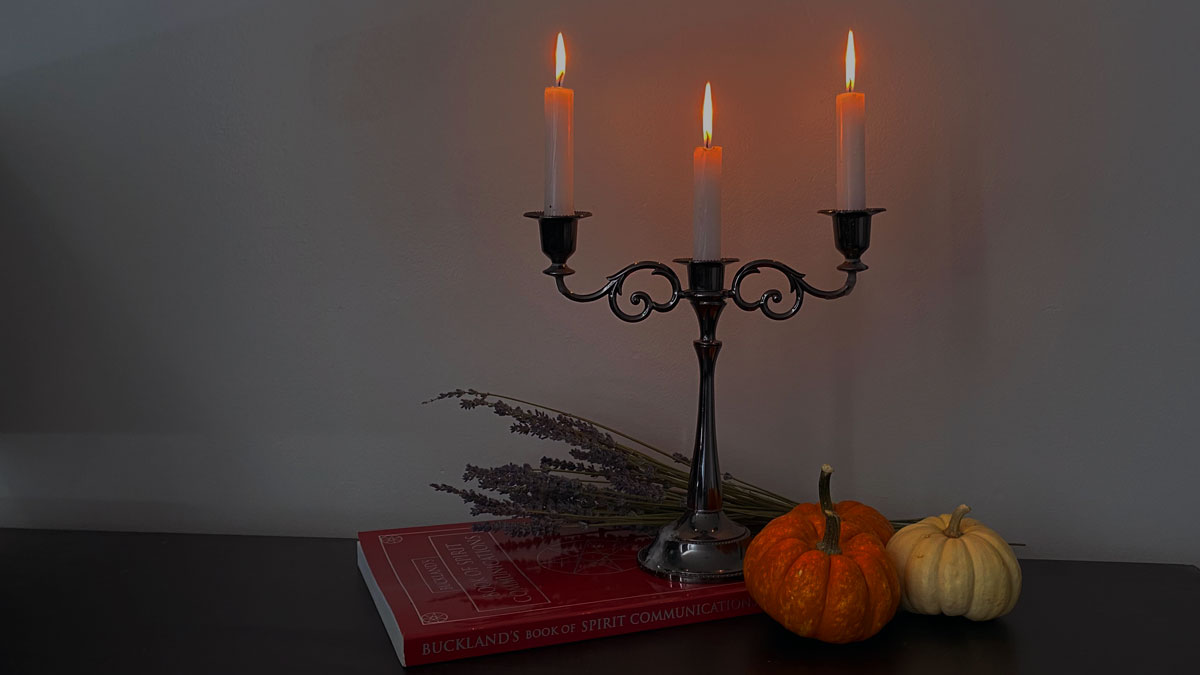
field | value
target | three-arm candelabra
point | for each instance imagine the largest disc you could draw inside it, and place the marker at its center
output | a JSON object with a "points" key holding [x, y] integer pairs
{"points": [[703, 545]]}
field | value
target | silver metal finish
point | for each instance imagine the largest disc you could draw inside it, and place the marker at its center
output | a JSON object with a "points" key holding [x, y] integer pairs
{"points": [[700, 547], [703, 545]]}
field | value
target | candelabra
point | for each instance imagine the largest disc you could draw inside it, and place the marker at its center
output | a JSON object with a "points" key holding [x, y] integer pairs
{"points": [[703, 545]]}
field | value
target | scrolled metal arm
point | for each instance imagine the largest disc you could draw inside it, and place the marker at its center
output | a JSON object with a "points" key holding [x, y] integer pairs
{"points": [[796, 285], [615, 285]]}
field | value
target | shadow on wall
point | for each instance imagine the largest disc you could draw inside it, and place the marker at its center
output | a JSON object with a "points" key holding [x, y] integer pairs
{"points": [[84, 358], [82, 369]]}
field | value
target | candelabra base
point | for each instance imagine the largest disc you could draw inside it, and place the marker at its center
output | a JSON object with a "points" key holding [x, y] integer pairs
{"points": [[700, 547]]}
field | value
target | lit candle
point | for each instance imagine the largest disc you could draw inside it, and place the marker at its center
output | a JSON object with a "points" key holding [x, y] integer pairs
{"points": [[560, 140], [706, 196], [851, 140]]}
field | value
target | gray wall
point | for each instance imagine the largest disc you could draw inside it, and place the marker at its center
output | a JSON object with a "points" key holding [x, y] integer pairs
{"points": [[242, 241]]}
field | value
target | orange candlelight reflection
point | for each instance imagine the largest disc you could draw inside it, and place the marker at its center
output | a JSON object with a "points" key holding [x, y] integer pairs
{"points": [[560, 62], [850, 62], [707, 115]]}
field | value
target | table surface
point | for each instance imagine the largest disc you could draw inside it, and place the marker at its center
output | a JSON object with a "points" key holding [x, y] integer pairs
{"points": [[104, 602]]}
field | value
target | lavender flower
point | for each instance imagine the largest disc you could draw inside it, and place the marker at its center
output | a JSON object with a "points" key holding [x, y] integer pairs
{"points": [[605, 481]]}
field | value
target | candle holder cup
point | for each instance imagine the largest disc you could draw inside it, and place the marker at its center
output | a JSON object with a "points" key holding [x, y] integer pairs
{"points": [[704, 544], [852, 235], [559, 234]]}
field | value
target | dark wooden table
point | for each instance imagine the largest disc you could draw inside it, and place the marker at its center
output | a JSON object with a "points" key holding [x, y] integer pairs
{"points": [[96, 602]]}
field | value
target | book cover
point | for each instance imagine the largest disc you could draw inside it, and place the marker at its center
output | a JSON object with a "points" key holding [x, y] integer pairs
{"points": [[448, 592]]}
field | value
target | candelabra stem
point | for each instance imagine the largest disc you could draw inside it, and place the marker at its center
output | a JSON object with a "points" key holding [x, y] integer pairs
{"points": [[705, 480], [703, 545]]}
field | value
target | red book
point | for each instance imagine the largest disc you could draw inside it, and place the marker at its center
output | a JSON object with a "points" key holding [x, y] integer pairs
{"points": [[447, 592]]}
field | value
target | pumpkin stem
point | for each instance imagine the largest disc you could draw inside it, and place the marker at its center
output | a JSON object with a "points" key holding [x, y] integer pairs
{"points": [[823, 488], [833, 534], [954, 529]]}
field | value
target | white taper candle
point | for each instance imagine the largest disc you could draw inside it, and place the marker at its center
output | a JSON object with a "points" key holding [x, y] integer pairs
{"points": [[706, 194], [560, 141], [851, 140]]}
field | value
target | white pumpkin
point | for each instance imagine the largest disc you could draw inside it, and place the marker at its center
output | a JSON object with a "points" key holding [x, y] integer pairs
{"points": [[955, 566]]}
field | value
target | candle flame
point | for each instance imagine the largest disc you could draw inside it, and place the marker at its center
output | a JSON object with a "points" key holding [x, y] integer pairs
{"points": [[560, 62], [707, 116], [850, 62]]}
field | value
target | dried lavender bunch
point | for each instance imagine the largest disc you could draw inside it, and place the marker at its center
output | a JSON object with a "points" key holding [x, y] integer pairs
{"points": [[611, 478]]}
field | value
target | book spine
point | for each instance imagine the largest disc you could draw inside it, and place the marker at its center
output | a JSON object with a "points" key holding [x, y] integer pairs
{"points": [[516, 635]]}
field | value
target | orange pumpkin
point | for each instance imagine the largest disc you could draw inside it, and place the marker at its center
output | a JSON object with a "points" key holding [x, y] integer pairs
{"points": [[822, 570]]}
